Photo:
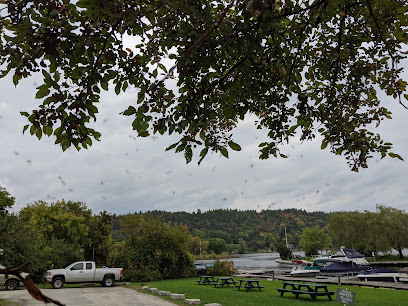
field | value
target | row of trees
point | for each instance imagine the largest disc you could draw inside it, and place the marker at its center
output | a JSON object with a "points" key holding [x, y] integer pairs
{"points": [[217, 231], [53, 235], [56, 234], [227, 230], [369, 232]]}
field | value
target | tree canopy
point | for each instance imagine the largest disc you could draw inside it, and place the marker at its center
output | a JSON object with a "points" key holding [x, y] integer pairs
{"points": [[387, 230], [6, 200], [154, 249], [313, 239], [308, 69]]}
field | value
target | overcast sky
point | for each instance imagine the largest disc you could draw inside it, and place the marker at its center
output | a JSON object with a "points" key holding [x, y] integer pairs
{"points": [[123, 174]]}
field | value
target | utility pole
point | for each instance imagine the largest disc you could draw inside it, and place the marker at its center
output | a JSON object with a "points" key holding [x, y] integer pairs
{"points": [[201, 254]]}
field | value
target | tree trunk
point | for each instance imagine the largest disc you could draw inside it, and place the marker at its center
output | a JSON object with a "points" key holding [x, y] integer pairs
{"points": [[400, 253]]}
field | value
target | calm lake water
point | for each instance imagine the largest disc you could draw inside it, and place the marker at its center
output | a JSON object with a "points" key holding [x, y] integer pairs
{"points": [[265, 261], [258, 261]]}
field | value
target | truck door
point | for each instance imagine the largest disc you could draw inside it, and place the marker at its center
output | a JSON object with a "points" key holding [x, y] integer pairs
{"points": [[76, 273], [89, 272]]}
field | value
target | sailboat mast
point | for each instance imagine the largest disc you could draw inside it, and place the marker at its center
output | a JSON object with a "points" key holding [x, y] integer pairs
{"points": [[286, 237]]}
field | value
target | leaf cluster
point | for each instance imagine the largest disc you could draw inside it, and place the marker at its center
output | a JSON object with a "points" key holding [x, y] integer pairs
{"points": [[308, 69]]}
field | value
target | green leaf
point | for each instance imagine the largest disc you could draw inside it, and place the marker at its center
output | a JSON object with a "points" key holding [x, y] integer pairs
{"points": [[16, 78], [76, 73], [180, 148], [293, 128], [117, 88], [171, 147], [104, 85], [33, 129], [43, 91], [188, 154], [25, 128], [324, 145], [65, 144], [48, 100], [202, 135], [163, 67], [38, 133], [203, 153], [130, 111], [56, 76], [46, 74], [234, 146], [393, 155], [224, 151], [125, 86], [47, 130], [140, 97]]}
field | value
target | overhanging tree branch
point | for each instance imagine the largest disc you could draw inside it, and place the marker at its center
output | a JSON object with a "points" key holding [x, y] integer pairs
{"points": [[196, 44]]}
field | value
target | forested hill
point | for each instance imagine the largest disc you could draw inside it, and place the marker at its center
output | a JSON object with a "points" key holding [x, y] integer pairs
{"points": [[258, 229]]}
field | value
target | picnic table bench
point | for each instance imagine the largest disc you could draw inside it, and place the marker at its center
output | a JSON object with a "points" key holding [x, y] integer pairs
{"points": [[310, 289], [205, 280], [224, 281], [249, 284]]}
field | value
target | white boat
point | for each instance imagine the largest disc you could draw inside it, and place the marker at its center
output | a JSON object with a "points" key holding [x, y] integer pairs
{"points": [[344, 255], [403, 274], [345, 262], [292, 262], [383, 275], [306, 270]]}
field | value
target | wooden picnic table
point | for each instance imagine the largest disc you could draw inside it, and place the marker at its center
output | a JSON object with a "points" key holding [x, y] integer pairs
{"points": [[249, 284], [224, 281], [205, 280], [314, 290]]}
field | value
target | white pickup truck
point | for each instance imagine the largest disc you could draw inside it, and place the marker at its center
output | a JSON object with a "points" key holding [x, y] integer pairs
{"points": [[83, 272]]}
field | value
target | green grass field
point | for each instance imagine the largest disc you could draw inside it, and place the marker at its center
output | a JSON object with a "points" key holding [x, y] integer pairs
{"points": [[230, 296]]}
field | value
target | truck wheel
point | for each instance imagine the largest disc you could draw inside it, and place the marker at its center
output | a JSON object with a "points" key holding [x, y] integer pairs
{"points": [[57, 283], [108, 281], [12, 284]]}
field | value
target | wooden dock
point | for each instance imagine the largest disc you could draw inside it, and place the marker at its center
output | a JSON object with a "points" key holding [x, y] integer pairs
{"points": [[255, 276], [345, 281], [389, 263], [260, 274]]}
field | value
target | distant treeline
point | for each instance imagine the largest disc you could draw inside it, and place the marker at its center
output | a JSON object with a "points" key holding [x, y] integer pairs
{"points": [[257, 230]]}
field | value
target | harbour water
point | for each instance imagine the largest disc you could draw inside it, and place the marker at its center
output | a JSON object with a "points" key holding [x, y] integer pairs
{"points": [[258, 261], [264, 261]]}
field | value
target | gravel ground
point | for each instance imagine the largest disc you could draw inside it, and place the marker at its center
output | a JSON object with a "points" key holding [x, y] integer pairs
{"points": [[86, 296]]}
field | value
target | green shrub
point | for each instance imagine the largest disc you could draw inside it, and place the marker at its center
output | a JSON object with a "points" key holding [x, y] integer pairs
{"points": [[283, 251], [221, 268]]}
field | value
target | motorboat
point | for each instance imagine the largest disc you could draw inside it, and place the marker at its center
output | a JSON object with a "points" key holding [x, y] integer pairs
{"points": [[385, 275], [344, 268], [380, 275], [306, 270], [403, 274], [344, 255], [344, 262]]}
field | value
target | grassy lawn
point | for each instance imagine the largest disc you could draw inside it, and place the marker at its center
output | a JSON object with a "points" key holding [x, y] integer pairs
{"points": [[230, 296], [269, 295]]}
